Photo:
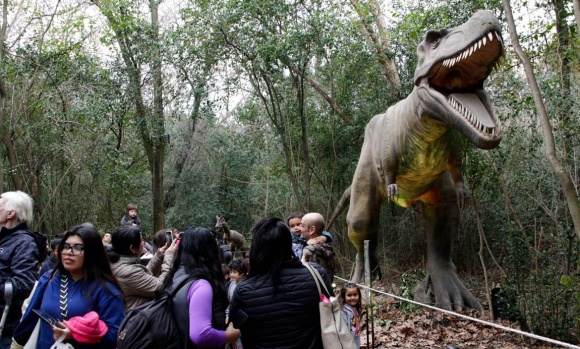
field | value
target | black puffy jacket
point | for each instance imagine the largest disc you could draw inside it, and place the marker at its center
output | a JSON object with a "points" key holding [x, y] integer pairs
{"points": [[287, 320], [18, 261]]}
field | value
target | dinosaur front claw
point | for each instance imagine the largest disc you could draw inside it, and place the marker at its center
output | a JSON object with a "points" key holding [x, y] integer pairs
{"points": [[392, 191]]}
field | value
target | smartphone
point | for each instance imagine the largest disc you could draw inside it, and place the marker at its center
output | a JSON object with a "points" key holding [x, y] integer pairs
{"points": [[168, 237], [47, 318]]}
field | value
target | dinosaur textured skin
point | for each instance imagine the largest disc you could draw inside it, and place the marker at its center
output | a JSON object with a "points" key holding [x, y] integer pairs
{"points": [[410, 153]]}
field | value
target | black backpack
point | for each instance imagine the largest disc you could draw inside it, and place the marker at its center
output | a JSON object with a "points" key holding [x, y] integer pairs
{"points": [[41, 241], [152, 325]]}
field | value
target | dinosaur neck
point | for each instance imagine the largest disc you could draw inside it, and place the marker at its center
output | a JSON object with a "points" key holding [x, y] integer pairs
{"points": [[414, 125]]}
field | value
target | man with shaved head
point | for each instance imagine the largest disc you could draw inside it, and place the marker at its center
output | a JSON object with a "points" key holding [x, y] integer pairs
{"points": [[312, 226]]}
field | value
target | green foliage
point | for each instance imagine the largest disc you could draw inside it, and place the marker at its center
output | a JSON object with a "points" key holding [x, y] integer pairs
{"points": [[408, 282]]}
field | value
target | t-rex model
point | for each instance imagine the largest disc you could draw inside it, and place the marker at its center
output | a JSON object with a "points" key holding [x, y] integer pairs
{"points": [[235, 239], [409, 155]]}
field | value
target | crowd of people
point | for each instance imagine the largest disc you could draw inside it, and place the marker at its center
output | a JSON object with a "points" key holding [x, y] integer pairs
{"points": [[81, 293]]}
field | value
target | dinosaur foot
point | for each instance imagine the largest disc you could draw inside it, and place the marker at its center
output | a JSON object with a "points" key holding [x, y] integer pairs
{"points": [[445, 290]]}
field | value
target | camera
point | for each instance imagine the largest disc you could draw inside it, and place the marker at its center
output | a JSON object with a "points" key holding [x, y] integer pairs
{"points": [[168, 237]]}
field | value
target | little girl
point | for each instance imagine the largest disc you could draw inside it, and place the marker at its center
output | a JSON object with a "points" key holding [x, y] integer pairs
{"points": [[351, 304]]}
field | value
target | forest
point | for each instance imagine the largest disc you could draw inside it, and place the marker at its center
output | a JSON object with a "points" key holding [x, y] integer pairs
{"points": [[254, 108]]}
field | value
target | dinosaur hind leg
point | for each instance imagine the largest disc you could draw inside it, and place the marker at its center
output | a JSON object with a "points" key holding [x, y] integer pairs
{"points": [[363, 224], [442, 222]]}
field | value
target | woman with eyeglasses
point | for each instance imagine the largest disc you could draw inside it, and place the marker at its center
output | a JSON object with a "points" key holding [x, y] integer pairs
{"points": [[137, 281], [82, 282]]}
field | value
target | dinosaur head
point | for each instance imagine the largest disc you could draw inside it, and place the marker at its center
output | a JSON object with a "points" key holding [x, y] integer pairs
{"points": [[453, 65]]}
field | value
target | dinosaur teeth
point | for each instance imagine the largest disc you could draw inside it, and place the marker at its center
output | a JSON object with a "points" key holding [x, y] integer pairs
{"points": [[484, 40], [479, 43], [490, 36], [498, 37], [470, 50]]}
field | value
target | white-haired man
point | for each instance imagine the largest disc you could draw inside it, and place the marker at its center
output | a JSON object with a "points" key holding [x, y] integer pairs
{"points": [[18, 257]]}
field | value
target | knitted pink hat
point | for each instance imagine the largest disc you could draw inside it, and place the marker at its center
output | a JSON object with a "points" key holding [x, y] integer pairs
{"points": [[87, 328]]}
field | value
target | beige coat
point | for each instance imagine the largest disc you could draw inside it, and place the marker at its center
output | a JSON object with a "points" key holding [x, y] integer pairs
{"points": [[137, 281]]}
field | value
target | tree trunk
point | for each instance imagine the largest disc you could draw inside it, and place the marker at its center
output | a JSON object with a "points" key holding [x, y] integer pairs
{"points": [[158, 119], [380, 40], [560, 171], [299, 83], [4, 124], [577, 15], [153, 141]]}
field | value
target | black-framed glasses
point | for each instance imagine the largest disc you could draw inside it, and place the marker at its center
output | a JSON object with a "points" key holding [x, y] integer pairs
{"points": [[75, 249]]}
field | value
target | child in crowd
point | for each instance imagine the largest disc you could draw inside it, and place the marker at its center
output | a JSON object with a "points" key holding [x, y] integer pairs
{"points": [[131, 217], [238, 270], [50, 263], [293, 221], [351, 304]]}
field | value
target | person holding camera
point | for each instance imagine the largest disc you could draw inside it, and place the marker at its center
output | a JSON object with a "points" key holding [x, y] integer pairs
{"points": [[138, 282]]}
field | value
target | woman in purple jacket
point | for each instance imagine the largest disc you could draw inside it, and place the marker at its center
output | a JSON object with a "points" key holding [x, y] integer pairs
{"points": [[200, 305]]}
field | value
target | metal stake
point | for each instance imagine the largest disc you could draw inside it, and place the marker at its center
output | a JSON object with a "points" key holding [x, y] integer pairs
{"points": [[371, 343]]}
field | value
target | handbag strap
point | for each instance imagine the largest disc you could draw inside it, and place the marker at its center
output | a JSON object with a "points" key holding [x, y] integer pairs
{"points": [[317, 279], [64, 296]]}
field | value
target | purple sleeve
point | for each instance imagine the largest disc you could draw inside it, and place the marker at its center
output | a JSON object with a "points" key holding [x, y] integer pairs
{"points": [[201, 333]]}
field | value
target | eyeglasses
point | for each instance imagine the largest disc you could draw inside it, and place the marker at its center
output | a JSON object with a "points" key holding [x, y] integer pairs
{"points": [[75, 249]]}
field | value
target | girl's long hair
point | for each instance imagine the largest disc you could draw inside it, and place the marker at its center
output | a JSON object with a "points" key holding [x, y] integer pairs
{"points": [[198, 254], [271, 247], [96, 264]]}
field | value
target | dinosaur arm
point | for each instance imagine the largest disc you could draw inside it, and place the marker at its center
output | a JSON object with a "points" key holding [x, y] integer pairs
{"points": [[455, 166], [391, 167], [462, 195]]}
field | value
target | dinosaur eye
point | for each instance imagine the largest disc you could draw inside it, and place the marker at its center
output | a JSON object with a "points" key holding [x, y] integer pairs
{"points": [[433, 38], [436, 43]]}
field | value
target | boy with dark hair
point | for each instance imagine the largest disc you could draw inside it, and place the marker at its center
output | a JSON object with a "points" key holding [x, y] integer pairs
{"points": [[238, 270], [131, 217]]}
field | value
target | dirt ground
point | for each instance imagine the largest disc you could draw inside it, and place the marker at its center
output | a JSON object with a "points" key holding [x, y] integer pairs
{"points": [[397, 327]]}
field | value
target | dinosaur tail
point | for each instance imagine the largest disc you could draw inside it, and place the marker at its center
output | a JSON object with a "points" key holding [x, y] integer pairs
{"points": [[342, 203]]}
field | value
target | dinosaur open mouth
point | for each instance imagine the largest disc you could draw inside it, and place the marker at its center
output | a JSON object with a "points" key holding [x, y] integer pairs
{"points": [[460, 79]]}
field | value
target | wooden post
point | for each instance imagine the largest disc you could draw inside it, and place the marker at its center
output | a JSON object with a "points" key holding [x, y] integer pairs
{"points": [[369, 297]]}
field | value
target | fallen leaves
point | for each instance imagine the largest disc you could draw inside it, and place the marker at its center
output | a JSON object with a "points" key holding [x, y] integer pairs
{"points": [[429, 329]]}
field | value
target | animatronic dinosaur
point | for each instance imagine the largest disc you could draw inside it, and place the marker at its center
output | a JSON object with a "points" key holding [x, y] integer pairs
{"points": [[235, 239], [409, 154]]}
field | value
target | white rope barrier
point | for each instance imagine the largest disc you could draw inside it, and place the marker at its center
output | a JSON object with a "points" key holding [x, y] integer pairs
{"points": [[487, 323]]}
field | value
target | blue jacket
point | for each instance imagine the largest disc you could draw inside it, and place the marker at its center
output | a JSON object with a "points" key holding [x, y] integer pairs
{"points": [[107, 303], [48, 265], [18, 262]]}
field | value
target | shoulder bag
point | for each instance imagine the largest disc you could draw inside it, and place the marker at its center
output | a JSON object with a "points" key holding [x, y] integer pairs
{"points": [[334, 330]]}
